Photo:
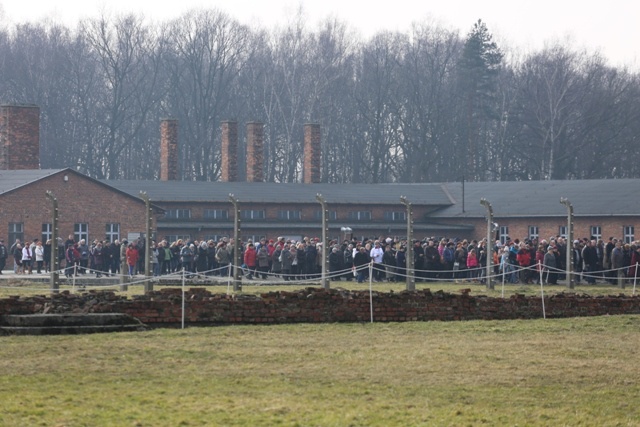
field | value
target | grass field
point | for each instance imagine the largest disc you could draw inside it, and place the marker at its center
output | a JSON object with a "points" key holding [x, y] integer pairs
{"points": [[568, 372]]}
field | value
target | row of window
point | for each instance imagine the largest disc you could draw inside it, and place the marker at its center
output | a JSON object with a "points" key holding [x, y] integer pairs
{"points": [[284, 215], [112, 230], [80, 231], [595, 232]]}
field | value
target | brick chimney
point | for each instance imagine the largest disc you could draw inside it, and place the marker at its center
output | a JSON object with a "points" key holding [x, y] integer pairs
{"points": [[229, 154], [19, 137], [168, 150], [312, 153], [255, 152]]}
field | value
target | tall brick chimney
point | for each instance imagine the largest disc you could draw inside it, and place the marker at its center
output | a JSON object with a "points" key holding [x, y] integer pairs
{"points": [[19, 137], [229, 154], [312, 153], [255, 152], [168, 150]]}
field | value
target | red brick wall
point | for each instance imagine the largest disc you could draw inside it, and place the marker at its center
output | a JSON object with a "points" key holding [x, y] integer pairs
{"points": [[312, 153], [168, 150], [316, 305], [255, 152], [19, 137], [229, 152], [308, 212], [611, 226], [80, 200]]}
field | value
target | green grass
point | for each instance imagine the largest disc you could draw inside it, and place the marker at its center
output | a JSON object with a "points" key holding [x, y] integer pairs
{"points": [[563, 372], [14, 287]]}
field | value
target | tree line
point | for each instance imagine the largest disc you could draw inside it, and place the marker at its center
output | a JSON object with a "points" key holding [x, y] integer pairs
{"points": [[424, 105]]}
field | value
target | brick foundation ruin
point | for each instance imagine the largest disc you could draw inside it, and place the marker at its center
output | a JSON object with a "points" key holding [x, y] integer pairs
{"points": [[316, 305]]}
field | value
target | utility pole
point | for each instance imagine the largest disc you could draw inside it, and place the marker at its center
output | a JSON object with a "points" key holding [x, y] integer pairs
{"points": [[569, 245], [237, 247], [325, 229], [148, 286], [489, 249], [410, 273], [54, 262]]}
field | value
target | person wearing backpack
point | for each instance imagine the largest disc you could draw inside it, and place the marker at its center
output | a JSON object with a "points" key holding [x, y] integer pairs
{"points": [[448, 256]]}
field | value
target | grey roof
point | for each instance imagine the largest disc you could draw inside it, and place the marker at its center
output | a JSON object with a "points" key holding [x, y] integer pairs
{"points": [[268, 192], [13, 179], [602, 197], [607, 197]]}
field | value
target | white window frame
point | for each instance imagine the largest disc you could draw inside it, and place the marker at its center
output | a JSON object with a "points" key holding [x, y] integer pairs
{"points": [[360, 215], [504, 233], [562, 231], [177, 213], [290, 215], [220, 214], [534, 232], [333, 215], [47, 232], [16, 231], [111, 234], [595, 231], [252, 214], [174, 238], [81, 231], [395, 216], [628, 233]]}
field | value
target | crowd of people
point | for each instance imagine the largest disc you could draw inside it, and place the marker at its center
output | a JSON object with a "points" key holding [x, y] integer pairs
{"points": [[518, 261]]}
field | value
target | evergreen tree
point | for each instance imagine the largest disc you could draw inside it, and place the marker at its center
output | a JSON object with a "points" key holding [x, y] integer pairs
{"points": [[479, 67]]}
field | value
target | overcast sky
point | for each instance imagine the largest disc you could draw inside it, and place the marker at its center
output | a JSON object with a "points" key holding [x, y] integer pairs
{"points": [[611, 27]]}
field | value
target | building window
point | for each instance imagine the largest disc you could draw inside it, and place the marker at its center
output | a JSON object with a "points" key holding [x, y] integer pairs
{"points": [[254, 238], [290, 215], [216, 214], [503, 234], [112, 232], [333, 215], [395, 216], [562, 231], [596, 232], [47, 232], [215, 237], [360, 215], [80, 232], [177, 214], [175, 237], [629, 233], [533, 232], [16, 232], [252, 214]]}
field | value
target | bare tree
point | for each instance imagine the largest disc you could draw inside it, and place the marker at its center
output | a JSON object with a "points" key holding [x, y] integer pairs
{"points": [[124, 51], [208, 50]]}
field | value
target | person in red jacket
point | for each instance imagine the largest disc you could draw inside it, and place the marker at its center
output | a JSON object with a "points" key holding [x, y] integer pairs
{"points": [[524, 261], [132, 258], [250, 256]]}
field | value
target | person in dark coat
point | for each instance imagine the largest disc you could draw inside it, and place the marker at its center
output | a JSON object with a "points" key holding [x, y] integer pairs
{"points": [[401, 265], [590, 258], [348, 260], [360, 262], [335, 263]]}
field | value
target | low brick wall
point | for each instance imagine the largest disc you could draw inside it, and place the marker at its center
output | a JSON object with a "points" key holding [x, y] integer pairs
{"points": [[312, 305]]}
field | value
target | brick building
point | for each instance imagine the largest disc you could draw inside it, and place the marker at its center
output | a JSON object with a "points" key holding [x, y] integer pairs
{"points": [[201, 210], [87, 208]]}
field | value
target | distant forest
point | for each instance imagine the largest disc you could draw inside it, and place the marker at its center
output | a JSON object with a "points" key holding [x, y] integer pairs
{"points": [[425, 105]]}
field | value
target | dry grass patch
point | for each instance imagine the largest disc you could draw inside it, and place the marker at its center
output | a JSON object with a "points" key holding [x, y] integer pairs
{"points": [[22, 287], [554, 372]]}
